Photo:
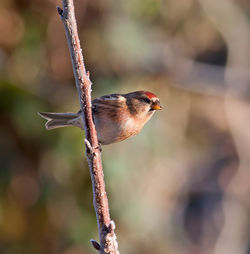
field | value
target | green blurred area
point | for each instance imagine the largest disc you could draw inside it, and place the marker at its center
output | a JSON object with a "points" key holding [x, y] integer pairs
{"points": [[181, 186]]}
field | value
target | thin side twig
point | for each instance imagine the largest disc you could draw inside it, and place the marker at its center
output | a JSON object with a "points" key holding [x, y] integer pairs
{"points": [[107, 237]]}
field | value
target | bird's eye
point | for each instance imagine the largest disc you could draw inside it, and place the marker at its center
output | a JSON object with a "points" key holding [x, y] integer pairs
{"points": [[146, 100]]}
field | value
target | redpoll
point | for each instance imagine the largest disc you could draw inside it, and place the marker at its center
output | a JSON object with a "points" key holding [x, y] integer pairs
{"points": [[116, 116]]}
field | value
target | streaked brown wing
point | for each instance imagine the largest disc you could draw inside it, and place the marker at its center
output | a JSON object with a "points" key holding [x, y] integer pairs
{"points": [[109, 103]]}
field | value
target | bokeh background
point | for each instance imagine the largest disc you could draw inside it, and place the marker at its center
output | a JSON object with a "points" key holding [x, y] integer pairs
{"points": [[181, 186]]}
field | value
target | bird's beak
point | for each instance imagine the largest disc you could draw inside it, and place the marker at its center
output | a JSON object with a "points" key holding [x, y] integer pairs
{"points": [[156, 106]]}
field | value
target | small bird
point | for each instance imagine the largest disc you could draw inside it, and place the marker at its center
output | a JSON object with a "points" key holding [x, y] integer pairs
{"points": [[116, 116]]}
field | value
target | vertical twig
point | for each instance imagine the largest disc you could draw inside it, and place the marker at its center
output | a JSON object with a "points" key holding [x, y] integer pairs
{"points": [[108, 243]]}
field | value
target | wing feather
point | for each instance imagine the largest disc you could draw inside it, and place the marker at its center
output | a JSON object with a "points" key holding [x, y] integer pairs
{"points": [[110, 102]]}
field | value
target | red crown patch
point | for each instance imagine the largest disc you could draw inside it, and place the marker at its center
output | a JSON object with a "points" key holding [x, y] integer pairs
{"points": [[150, 95]]}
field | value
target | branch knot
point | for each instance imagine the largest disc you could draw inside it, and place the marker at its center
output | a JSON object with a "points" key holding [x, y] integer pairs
{"points": [[59, 10], [110, 243], [95, 244]]}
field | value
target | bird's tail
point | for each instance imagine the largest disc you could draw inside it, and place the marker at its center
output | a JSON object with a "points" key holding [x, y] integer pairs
{"points": [[57, 120]]}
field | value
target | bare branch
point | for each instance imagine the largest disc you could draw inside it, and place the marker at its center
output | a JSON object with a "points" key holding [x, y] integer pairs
{"points": [[108, 243]]}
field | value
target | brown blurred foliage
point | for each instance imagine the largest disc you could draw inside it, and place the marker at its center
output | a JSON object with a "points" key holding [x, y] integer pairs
{"points": [[180, 186]]}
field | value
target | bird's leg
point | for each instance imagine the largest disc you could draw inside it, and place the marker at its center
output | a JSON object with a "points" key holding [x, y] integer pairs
{"points": [[91, 149], [88, 146], [99, 147]]}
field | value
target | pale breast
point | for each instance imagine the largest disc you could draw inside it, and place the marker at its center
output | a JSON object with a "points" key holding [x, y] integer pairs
{"points": [[110, 132], [115, 127]]}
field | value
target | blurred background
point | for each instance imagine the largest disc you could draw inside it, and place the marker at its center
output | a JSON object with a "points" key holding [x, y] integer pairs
{"points": [[182, 185]]}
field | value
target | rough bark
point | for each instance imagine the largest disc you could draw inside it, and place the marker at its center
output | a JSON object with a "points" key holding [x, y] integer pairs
{"points": [[108, 243]]}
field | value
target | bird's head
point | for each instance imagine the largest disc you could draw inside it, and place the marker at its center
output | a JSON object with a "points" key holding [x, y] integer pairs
{"points": [[143, 103]]}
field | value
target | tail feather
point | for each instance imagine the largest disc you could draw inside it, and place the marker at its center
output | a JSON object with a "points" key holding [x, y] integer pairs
{"points": [[57, 120]]}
